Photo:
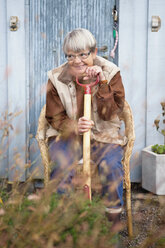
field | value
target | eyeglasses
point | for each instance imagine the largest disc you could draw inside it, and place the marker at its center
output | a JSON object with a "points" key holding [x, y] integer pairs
{"points": [[81, 56]]}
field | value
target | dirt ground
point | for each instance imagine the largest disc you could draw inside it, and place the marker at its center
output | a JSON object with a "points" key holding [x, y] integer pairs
{"points": [[148, 212]]}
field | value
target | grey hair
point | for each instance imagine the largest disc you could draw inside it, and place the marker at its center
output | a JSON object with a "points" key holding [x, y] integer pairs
{"points": [[78, 40]]}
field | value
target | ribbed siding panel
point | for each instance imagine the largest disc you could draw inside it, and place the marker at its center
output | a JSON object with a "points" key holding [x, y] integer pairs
{"points": [[50, 20]]}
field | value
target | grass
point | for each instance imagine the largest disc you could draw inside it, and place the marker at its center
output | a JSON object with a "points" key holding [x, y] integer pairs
{"points": [[49, 220]]}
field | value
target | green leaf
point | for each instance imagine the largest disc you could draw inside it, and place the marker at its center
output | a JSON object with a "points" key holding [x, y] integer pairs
{"points": [[159, 149]]}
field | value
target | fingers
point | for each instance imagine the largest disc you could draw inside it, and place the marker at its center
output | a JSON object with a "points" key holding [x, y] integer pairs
{"points": [[84, 125], [92, 71]]}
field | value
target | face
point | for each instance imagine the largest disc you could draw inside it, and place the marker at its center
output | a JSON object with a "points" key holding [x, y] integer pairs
{"points": [[78, 65]]}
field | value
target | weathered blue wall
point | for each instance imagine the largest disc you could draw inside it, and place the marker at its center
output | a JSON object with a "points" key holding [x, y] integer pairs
{"points": [[49, 22], [36, 47], [12, 92], [141, 60]]}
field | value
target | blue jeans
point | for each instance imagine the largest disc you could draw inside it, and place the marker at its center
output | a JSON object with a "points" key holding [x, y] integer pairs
{"points": [[107, 157]]}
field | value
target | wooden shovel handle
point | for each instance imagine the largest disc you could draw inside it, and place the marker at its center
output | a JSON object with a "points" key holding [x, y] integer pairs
{"points": [[86, 147], [86, 136]]}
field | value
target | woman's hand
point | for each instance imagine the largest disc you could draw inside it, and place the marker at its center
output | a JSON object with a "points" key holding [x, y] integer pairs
{"points": [[84, 125], [93, 71]]}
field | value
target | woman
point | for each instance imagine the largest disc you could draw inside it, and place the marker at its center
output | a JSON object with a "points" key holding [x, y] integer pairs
{"points": [[64, 113]]}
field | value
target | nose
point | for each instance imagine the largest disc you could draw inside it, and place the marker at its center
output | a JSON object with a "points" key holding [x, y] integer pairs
{"points": [[77, 59]]}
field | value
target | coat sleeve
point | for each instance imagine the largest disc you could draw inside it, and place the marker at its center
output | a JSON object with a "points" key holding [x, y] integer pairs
{"points": [[110, 98], [56, 114]]}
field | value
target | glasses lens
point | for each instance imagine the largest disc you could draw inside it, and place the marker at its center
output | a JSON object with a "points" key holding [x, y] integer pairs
{"points": [[81, 56], [70, 57]]}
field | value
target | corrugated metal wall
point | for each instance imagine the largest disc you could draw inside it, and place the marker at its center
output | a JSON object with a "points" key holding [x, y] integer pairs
{"points": [[42, 26], [49, 22]]}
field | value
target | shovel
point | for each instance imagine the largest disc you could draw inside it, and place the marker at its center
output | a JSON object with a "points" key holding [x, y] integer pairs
{"points": [[86, 137]]}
